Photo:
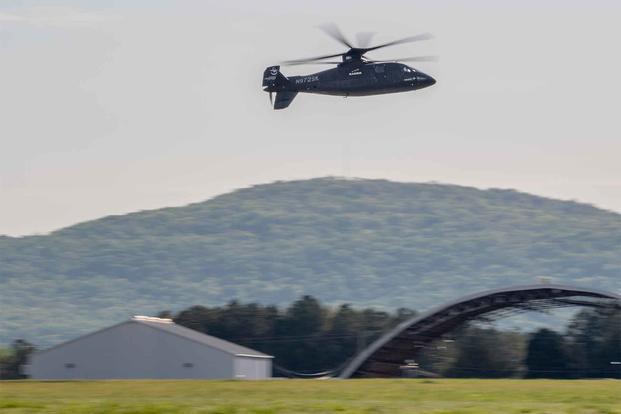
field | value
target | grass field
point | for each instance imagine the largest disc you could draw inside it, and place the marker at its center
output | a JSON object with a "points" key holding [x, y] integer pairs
{"points": [[312, 396]]}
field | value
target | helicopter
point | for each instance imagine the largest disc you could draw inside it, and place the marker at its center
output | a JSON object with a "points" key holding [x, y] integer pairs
{"points": [[354, 75]]}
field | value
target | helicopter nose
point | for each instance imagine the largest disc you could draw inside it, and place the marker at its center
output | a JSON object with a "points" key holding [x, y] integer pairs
{"points": [[425, 80]]}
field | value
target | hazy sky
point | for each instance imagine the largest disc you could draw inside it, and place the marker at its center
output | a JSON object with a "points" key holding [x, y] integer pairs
{"points": [[108, 107]]}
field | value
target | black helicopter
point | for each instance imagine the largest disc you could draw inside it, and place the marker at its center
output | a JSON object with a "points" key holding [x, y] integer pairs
{"points": [[355, 75]]}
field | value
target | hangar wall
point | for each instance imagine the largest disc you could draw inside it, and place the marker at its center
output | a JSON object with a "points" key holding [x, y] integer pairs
{"points": [[253, 368], [131, 350]]}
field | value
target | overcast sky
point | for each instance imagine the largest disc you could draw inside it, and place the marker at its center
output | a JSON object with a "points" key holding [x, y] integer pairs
{"points": [[108, 107]]}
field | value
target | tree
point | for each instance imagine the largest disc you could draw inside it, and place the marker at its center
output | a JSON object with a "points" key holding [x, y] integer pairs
{"points": [[345, 334], [594, 340], [546, 355], [486, 353], [304, 317], [12, 365]]}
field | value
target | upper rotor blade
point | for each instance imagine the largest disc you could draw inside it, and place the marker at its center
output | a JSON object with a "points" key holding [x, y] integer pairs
{"points": [[315, 63], [363, 39], [302, 61], [410, 59], [334, 32], [420, 59], [423, 36]]}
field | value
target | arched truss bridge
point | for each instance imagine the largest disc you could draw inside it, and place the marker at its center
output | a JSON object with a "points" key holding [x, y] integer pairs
{"points": [[386, 356]]}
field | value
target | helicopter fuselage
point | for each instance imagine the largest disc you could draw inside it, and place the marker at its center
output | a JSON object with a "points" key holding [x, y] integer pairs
{"points": [[362, 80]]}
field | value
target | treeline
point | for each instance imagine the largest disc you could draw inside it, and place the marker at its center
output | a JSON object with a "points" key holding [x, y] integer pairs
{"points": [[589, 347], [308, 337], [305, 337]]}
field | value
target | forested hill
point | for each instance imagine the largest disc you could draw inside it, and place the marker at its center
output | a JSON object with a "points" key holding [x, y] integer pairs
{"points": [[367, 242]]}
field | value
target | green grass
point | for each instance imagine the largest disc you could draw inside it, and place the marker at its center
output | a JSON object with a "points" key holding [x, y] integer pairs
{"points": [[312, 396]]}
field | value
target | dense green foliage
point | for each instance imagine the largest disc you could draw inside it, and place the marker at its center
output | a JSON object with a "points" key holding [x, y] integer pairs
{"points": [[308, 337], [478, 352], [305, 337], [367, 242], [592, 342], [546, 357], [584, 348], [311, 397], [13, 359]]}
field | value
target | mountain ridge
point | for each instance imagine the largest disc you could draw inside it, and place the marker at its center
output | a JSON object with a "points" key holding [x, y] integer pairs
{"points": [[367, 242], [326, 178]]}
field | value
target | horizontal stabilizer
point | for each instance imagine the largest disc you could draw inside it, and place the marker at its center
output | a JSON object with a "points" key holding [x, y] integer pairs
{"points": [[283, 99]]}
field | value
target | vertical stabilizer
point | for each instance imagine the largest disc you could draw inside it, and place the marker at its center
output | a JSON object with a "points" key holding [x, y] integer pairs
{"points": [[274, 81]]}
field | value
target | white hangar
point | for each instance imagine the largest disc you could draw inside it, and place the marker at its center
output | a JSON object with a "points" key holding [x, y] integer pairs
{"points": [[146, 347]]}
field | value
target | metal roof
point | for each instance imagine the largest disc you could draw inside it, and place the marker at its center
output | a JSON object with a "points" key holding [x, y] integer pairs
{"points": [[204, 339], [177, 330]]}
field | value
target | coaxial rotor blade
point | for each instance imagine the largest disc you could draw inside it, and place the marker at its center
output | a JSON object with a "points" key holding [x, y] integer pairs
{"points": [[313, 59], [334, 32], [409, 59], [271, 100], [417, 38], [419, 59], [315, 63], [363, 39]]}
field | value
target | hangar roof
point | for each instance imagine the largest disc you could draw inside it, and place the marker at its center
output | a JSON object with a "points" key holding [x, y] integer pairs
{"points": [[212, 341], [168, 326]]}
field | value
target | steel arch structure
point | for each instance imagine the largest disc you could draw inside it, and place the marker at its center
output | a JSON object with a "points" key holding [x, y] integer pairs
{"points": [[385, 356]]}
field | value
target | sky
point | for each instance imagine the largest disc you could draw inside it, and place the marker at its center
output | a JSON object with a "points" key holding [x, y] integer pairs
{"points": [[109, 107]]}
